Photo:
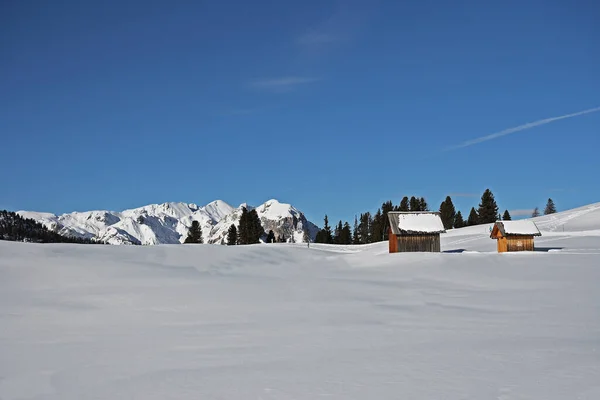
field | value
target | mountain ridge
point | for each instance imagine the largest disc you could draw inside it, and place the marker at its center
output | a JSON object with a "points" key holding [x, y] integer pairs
{"points": [[169, 222]]}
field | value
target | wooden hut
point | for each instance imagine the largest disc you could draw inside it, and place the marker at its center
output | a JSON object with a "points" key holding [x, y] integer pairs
{"points": [[515, 235], [417, 231]]}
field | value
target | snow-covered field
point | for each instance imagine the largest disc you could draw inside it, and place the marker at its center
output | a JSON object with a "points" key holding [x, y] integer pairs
{"points": [[283, 321]]}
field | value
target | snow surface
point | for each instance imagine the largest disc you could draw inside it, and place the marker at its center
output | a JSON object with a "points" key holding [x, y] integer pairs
{"points": [[283, 321], [520, 227], [420, 222]]}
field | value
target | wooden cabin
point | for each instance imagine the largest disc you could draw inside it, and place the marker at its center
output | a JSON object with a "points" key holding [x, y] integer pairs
{"points": [[417, 231], [515, 235]]}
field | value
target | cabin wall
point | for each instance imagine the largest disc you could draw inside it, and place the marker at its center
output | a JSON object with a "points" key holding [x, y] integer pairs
{"points": [[502, 245], [520, 243], [393, 243], [418, 243]]}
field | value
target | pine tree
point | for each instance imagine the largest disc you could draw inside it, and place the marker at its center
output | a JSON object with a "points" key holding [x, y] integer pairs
{"points": [[255, 227], [488, 209], [447, 213], [459, 221], [550, 207], [415, 204], [404, 205], [328, 236], [346, 236], [194, 234], [355, 233], [271, 237], [243, 228], [364, 228], [337, 232], [377, 227], [423, 206], [232, 235], [535, 213], [506, 216], [385, 209], [473, 217]]}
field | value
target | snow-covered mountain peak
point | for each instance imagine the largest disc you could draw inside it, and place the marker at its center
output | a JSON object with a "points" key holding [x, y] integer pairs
{"points": [[218, 209], [273, 209], [169, 222]]}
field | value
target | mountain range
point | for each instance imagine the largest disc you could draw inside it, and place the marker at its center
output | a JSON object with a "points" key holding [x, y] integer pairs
{"points": [[168, 223]]}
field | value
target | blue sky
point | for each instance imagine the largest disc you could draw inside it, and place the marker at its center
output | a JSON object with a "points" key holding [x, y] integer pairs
{"points": [[333, 106]]}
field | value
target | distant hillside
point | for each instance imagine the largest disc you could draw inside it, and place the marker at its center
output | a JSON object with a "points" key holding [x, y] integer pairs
{"points": [[14, 227]]}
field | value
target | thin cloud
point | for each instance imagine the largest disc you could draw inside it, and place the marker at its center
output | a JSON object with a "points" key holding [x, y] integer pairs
{"points": [[284, 83], [520, 128], [521, 213]]}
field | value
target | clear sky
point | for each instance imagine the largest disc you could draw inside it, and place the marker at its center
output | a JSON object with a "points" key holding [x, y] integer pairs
{"points": [[333, 106]]}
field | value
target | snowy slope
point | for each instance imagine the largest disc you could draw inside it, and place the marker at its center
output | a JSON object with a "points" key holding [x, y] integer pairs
{"points": [[285, 321], [168, 223]]}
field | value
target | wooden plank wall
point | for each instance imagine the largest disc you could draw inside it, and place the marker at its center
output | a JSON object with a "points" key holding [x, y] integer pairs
{"points": [[520, 243], [502, 245], [415, 243], [393, 243]]}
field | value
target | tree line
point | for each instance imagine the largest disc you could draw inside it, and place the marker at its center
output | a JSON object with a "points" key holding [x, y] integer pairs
{"points": [[370, 228], [14, 227]]}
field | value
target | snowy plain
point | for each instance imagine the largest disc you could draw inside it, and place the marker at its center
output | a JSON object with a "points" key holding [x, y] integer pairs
{"points": [[284, 321]]}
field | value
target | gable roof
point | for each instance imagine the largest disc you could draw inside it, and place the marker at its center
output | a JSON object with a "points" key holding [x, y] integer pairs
{"points": [[414, 223], [524, 227]]}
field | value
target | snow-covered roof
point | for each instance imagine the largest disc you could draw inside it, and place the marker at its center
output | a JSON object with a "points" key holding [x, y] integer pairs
{"points": [[523, 227], [412, 223]]}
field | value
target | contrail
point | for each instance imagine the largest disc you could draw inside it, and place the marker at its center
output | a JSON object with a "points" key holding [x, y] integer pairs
{"points": [[519, 128]]}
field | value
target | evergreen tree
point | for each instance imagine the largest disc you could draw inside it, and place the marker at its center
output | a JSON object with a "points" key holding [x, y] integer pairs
{"points": [[423, 206], [355, 233], [473, 217], [327, 235], [250, 229], [364, 228], [506, 216], [550, 207], [255, 227], [243, 228], [346, 236], [459, 221], [535, 213], [377, 227], [404, 205], [337, 233], [271, 237], [385, 209], [194, 234], [415, 204], [488, 209], [447, 213], [232, 235]]}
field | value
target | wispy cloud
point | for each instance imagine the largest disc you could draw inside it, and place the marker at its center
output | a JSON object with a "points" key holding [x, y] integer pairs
{"points": [[519, 128], [284, 83], [459, 194], [521, 213]]}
